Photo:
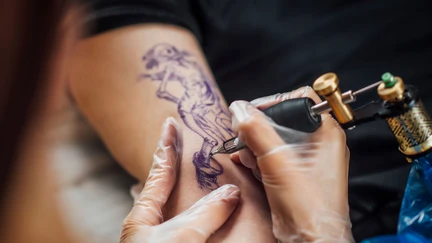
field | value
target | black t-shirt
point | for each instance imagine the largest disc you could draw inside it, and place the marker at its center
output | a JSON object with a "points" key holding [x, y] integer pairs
{"points": [[261, 47]]}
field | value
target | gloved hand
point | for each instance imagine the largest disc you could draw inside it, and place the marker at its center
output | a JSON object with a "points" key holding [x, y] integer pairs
{"points": [[305, 175], [246, 156], [145, 222]]}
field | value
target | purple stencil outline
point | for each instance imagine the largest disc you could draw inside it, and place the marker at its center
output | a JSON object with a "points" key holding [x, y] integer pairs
{"points": [[166, 64]]}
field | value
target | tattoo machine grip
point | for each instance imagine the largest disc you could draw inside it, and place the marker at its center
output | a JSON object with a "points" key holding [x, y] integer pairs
{"points": [[296, 114]]}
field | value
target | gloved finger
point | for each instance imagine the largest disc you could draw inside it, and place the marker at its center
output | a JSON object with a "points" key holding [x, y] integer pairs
{"points": [[251, 125], [332, 137], [331, 132], [247, 158], [286, 171], [207, 215], [235, 157], [244, 157], [162, 177], [267, 101], [250, 158]]}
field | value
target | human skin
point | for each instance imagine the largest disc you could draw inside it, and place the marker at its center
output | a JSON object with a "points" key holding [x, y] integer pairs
{"points": [[127, 81]]}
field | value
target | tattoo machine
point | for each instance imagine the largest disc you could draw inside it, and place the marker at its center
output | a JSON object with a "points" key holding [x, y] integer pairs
{"points": [[301, 114], [399, 105], [402, 109]]}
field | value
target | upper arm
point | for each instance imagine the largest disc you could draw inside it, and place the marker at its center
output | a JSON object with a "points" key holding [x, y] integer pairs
{"points": [[117, 78], [126, 101]]}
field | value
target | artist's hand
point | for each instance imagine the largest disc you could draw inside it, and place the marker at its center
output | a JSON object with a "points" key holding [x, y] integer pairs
{"points": [[305, 175], [145, 223], [246, 156]]}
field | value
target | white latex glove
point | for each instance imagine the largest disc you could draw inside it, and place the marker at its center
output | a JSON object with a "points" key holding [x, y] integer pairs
{"points": [[305, 176], [245, 156], [145, 222]]}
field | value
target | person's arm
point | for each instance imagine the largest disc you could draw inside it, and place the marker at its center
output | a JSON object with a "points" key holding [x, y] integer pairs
{"points": [[127, 81]]}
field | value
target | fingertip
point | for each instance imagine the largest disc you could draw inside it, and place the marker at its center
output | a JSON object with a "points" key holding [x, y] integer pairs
{"points": [[176, 125], [212, 211], [170, 131], [170, 147], [227, 188], [235, 157], [225, 193], [328, 121], [266, 101], [332, 129], [228, 191], [230, 196], [307, 91]]}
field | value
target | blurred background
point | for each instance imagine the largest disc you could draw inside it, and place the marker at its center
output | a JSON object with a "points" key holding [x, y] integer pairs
{"points": [[93, 187]]}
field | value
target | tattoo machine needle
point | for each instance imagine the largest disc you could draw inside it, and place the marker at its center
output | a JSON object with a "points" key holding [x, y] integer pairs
{"points": [[301, 114]]}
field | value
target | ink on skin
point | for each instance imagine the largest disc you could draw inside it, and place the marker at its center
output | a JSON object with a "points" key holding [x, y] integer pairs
{"points": [[199, 106]]}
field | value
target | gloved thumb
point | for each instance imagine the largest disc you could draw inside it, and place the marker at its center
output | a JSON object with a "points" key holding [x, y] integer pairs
{"points": [[147, 210], [206, 216]]}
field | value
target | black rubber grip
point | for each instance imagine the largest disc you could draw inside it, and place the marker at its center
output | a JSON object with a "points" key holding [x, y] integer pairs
{"points": [[295, 114]]}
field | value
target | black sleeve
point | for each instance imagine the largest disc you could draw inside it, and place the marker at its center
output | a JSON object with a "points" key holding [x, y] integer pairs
{"points": [[104, 15]]}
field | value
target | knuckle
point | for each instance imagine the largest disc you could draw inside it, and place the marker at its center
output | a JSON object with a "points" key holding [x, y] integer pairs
{"points": [[310, 93], [169, 171], [127, 225], [283, 96], [336, 131], [128, 229], [162, 168], [131, 228]]}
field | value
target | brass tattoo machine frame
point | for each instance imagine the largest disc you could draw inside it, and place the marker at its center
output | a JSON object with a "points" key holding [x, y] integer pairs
{"points": [[399, 105]]}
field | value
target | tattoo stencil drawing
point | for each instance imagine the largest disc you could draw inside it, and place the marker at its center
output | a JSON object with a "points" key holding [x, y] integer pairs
{"points": [[199, 106]]}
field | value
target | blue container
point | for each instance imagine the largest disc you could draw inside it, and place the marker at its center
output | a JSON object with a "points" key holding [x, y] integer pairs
{"points": [[415, 217], [416, 210], [402, 238]]}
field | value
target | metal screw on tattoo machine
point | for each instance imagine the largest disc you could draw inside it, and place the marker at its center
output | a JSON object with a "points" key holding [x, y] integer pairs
{"points": [[400, 106]]}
